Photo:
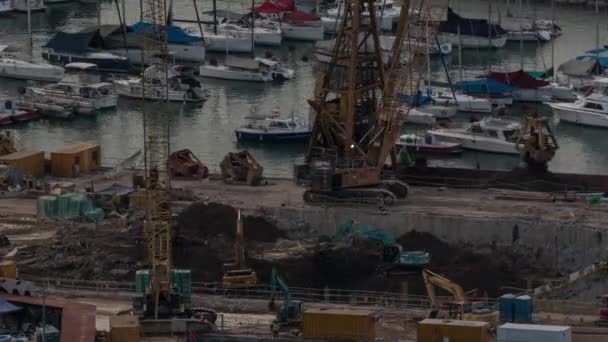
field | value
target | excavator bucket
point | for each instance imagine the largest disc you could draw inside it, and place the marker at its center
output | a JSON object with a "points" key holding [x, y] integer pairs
{"points": [[241, 168], [185, 164]]}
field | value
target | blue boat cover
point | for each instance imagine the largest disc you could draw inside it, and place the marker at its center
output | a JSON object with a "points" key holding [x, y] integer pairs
{"points": [[6, 307], [175, 34], [484, 86], [600, 51], [78, 42], [417, 100], [470, 27]]}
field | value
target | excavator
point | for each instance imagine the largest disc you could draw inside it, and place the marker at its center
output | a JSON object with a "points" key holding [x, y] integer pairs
{"points": [[536, 144], [290, 314], [459, 308], [236, 274], [357, 118]]}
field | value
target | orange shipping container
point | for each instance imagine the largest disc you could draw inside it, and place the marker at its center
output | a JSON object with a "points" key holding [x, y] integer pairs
{"points": [[73, 160], [440, 330], [124, 329], [342, 324], [30, 162]]}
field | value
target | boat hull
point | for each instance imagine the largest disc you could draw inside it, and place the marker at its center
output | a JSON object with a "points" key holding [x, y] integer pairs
{"points": [[572, 115], [29, 71], [223, 73], [228, 44], [302, 32], [125, 89], [472, 42], [117, 65], [476, 144], [181, 52], [243, 135]]}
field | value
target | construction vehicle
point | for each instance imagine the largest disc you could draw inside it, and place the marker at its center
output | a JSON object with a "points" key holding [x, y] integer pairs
{"points": [[536, 144], [357, 118], [184, 163], [241, 168], [289, 315], [236, 274], [164, 293], [459, 308]]}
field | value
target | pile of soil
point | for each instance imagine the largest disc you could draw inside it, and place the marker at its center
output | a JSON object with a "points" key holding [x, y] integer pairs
{"points": [[464, 266]]}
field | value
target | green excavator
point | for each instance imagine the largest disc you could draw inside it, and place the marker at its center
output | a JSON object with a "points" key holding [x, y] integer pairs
{"points": [[289, 316]]}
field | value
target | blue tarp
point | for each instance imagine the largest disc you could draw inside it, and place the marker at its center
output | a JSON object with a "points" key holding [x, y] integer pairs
{"points": [[600, 51], [602, 60], [6, 307], [470, 27], [483, 86], [418, 100], [175, 34]]}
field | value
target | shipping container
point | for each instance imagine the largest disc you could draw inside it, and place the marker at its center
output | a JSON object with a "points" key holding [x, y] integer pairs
{"points": [[441, 330], [30, 162], [8, 269], [522, 309], [124, 329], [506, 307], [342, 324], [513, 332], [142, 281], [589, 334], [73, 160], [182, 279]]}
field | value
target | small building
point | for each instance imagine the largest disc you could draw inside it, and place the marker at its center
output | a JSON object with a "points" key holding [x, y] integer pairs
{"points": [[74, 160], [29, 162]]}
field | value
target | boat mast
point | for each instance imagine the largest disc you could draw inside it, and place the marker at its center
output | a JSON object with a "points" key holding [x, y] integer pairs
{"points": [[215, 18], [460, 54], [29, 30], [98, 13], [252, 28], [490, 32], [597, 31], [428, 53], [124, 11], [521, 37], [552, 38], [198, 19]]}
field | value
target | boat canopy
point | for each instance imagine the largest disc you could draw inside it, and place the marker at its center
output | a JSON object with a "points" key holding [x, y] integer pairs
{"points": [[542, 74], [242, 63], [470, 27], [484, 86], [78, 42], [517, 79], [175, 34], [299, 16], [275, 6], [581, 68]]}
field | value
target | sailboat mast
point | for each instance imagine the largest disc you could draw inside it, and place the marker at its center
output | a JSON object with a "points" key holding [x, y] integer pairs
{"points": [[552, 38], [428, 53], [521, 37], [597, 30], [215, 18], [460, 54], [29, 30], [98, 13], [124, 10], [252, 29], [490, 32]]}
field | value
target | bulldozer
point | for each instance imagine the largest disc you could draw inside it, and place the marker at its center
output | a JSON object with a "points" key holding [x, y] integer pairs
{"points": [[236, 274], [241, 168], [459, 308]]}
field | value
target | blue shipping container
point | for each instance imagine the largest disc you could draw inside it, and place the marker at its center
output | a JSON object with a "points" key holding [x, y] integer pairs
{"points": [[506, 307]]}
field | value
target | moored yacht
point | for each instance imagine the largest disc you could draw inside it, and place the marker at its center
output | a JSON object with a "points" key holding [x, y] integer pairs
{"points": [[272, 128], [496, 135], [591, 110], [247, 69], [16, 68]]}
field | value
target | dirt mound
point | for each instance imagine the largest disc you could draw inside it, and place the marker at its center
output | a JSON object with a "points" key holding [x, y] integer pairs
{"points": [[469, 268], [209, 220]]}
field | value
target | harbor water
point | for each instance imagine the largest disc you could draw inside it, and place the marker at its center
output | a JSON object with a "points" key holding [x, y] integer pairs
{"points": [[208, 129]]}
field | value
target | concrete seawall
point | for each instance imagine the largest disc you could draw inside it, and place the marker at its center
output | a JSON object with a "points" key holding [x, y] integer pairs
{"points": [[549, 244]]}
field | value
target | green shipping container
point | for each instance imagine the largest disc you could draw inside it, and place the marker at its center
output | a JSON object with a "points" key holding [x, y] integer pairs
{"points": [[142, 281]]}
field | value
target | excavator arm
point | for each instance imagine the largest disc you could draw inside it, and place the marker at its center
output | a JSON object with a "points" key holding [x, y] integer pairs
{"points": [[432, 279], [275, 281]]}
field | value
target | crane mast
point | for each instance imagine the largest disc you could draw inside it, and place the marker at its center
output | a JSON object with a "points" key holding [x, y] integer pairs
{"points": [[357, 121], [159, 298]]}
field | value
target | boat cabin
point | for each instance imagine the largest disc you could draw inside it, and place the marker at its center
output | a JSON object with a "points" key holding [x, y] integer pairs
{"points": [[81, 73], [271, 123], [496, 128]]}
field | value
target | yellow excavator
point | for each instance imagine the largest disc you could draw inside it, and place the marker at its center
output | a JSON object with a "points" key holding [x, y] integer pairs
{"points": [[459, 308]]}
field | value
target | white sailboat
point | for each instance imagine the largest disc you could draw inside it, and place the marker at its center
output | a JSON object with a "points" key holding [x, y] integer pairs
{"points": [[265, 33], [19, 69], [247, 69]]}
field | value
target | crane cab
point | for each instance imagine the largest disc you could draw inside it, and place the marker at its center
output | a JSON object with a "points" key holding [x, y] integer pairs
{"points": [[292, 314]]}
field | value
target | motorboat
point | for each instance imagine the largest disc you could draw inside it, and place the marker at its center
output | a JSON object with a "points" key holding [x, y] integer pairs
{"points": [[10, 112], [19, 69], [183, 85], [46, 107], [470, 33], [35, 5], [523, 29], [302, 26], [491, 134], [6, 6], [247, 69], [272, 128], [428, 114], [464, 103], [427, 144], [530, 35], [85, 47], [591, 110], [81, 85]]}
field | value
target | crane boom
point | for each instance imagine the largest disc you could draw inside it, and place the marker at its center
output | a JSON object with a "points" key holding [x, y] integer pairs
{"points": [[357, 121]]}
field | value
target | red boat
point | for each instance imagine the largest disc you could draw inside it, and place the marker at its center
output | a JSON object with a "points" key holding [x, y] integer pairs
{"points": [[428, 145], [5, 119], [22, 115]]}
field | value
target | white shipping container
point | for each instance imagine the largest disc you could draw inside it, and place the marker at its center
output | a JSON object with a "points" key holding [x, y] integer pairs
{"points": [[512, 332]]}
